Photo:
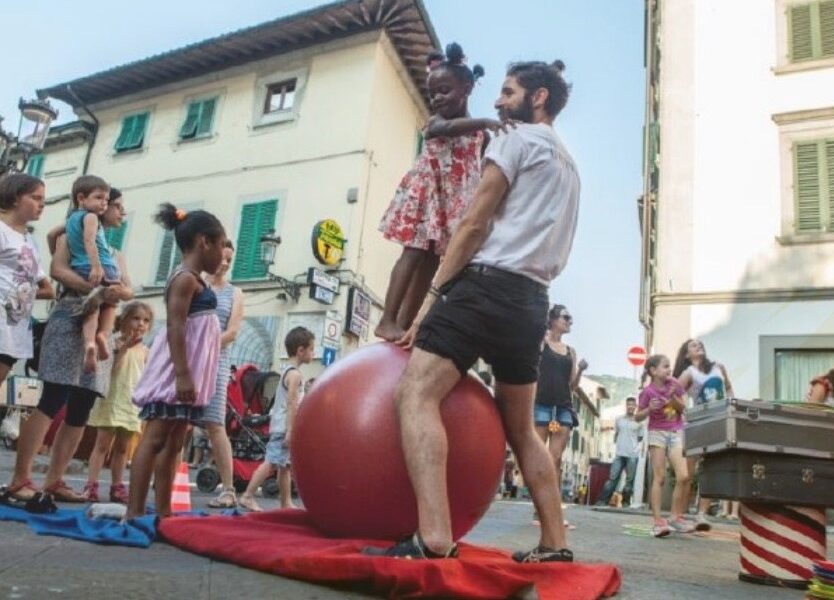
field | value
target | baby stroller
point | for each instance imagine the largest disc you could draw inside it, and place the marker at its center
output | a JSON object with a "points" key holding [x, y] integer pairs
{"points": [[249, 398]]}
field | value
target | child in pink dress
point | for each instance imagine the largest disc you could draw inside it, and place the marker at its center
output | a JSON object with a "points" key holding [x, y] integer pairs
{"points": [[433, 196], [181, 373]]}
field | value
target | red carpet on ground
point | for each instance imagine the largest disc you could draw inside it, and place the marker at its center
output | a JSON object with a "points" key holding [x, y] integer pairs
{"points": [[285, 542]]}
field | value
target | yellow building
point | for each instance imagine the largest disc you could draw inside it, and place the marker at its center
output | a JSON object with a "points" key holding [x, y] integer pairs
{"points": [[280, 126]]}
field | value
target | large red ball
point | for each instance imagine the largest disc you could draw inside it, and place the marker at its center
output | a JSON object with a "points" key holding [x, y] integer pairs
{"points": [[348, 462]]}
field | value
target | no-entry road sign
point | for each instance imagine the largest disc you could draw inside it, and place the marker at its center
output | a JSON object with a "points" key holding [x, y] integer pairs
{"points": [[637, 356]]}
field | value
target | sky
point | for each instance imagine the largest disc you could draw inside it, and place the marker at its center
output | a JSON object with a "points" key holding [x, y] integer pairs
{"points": [[600, 41]]}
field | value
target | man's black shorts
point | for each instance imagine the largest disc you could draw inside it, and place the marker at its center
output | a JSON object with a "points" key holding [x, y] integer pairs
{"points": [[489, 313]]}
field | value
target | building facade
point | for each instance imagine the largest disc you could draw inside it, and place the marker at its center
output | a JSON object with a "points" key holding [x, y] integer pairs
{"points": [[299, 128], [585, 439], [737, 212]]}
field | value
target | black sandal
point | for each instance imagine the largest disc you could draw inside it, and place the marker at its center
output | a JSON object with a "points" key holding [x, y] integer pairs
{"points": [[411, 547], [541, 554], [41, 503]]}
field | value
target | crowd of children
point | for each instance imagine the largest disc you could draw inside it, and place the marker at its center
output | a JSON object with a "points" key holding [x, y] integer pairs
{"points": [[158, 391]]}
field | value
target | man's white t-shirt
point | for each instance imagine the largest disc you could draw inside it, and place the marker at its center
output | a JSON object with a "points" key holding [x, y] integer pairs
{"points": [[532, 230], [20, 272], [628, 436]]}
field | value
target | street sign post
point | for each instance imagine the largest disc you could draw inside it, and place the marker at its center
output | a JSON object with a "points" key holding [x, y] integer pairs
{"points": [[637, 356]]}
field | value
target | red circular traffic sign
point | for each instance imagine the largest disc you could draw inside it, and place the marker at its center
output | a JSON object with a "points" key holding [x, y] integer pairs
{"points": [[637, 356]]}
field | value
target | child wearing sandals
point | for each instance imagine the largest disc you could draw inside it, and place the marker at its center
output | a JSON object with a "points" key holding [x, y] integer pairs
{"points": [[115, 416], [300, 345], [181, 373], [662, 402]]}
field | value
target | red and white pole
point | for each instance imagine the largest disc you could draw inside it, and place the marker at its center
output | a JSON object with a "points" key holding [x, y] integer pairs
{"points": [[780, 544]]}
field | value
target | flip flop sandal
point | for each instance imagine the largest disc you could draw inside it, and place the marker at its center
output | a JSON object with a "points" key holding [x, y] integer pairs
{"points": [[9, 495], [61, 492], [225, 499]]}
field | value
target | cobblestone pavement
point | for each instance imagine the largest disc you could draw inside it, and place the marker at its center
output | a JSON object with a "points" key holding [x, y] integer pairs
{"points": [[679, 567]]}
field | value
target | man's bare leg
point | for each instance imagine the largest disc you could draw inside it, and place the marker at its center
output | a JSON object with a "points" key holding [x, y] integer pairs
{"points": [[515, 402], [427, 380]]}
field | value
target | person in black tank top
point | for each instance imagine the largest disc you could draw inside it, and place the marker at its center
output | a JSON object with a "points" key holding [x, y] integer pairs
{"points": [[559, 373]]}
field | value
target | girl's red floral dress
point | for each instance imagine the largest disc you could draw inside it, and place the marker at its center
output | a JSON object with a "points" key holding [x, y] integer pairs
{"points": [[435, 193]]}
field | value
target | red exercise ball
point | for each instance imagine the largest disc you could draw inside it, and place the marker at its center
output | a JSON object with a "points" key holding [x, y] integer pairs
{"points": [[348, 463]]}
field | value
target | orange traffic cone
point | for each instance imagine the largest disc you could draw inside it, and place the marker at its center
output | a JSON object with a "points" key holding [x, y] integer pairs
{"points": [[181, 492]]}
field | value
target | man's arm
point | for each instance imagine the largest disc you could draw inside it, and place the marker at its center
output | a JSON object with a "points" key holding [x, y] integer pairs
{"points": [[466, 240], [474, 227]]}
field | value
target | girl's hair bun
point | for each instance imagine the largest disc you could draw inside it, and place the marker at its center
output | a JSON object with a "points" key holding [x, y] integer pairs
{"points": [[477, 72], [435, 57], [454, 54], [558, 65]]}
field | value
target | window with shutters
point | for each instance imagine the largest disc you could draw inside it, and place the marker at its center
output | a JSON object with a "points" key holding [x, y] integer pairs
{"points": [[278, 96], [813, 185], [256, 219], [810, 30], [115, 236], [132, 135], [35, 165], [199, 119], [169, 257]]}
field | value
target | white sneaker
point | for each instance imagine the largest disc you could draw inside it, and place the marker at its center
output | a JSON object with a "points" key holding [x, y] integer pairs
{"points": [[701, 523]]}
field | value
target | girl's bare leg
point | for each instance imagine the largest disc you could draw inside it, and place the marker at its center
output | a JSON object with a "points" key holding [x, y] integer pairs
{"points": [[417, 290], [166, 467], [104, 439], [153, 442], [401, 275]]}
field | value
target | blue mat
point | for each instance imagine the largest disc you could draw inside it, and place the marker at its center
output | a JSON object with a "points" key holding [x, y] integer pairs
{"points": [[74, 524]]}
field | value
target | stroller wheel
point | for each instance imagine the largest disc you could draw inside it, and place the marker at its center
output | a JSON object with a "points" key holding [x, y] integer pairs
{"points": [[270, 487], [207, 479]]}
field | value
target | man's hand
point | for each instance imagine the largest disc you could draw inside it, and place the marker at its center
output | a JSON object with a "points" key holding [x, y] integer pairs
{"points": [[582, 366], [500, 126], [407, 340], [96, 274]]}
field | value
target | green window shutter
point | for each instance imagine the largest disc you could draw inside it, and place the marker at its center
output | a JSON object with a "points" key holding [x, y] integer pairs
{"points": [[420, 142], [35, 165], [827, 27], [800, 32], [169, 257], [115, 236], [124, 135], [808, 216], [189, 128], [138, 134], [256, 219], [206, 116], [132, 135]]}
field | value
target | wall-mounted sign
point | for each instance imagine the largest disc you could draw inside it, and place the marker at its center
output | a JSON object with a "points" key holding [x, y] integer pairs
{"points": [[328, 356], [328, 242], [320, 294], [332, 330], [358, 313], [320, 278]]}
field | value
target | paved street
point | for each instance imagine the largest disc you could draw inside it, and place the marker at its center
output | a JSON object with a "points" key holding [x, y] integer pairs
{"points": [[682, 567]]}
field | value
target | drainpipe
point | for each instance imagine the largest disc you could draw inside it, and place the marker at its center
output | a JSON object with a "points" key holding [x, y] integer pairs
{"points": [[92, 142]]}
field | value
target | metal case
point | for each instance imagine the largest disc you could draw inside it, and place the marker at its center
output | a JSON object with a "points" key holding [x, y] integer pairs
{"points": [[771, 478], [760, 427]]}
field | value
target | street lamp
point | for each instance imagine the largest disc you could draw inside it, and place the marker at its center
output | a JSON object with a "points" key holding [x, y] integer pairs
{"points": [[268, 245], [35, 118]]}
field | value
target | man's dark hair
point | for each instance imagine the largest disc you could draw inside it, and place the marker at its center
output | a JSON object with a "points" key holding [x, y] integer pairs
{"points": [[536, 74]]}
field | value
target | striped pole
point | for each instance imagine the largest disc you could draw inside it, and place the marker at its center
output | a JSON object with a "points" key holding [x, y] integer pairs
{"points": [[779, 544]]}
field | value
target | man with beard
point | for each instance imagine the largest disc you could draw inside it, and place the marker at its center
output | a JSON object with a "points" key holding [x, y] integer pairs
{"points": [[489, 299]]}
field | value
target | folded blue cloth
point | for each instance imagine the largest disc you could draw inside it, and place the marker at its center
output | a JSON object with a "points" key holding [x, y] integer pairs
{"points": [[74, 524]]}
